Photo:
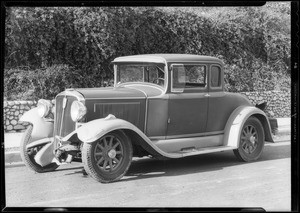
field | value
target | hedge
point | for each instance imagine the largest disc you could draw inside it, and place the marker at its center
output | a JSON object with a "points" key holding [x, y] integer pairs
{"points": [[50, 48]]}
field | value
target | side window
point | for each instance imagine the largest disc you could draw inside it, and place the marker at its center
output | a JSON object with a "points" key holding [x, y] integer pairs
{"points": [[195, 76], [130, 73], [178, 78], [153, 74], [185, 76], [215, 80]]}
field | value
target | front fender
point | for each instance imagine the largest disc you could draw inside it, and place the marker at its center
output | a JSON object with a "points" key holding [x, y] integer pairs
{"points": [[93, 130], [237, 120], [41, 128]]}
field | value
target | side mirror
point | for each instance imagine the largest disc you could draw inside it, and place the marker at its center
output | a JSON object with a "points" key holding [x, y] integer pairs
{"points": [[178, 78]]}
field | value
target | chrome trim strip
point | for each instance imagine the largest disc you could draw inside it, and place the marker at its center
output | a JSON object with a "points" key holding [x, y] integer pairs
{"points": [[187, 135], [115, 75], [146, 115], [167, 77], [117, 98], [195, 135], [62, 114], [209, 150]]}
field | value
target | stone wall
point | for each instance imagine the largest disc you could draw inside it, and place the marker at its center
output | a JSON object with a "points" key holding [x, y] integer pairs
{"points": [[278, 102], [12, 111], [279, 105]]}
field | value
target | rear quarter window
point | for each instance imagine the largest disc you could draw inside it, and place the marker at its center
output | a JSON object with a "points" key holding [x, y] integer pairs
{"points": [[215, 80]]}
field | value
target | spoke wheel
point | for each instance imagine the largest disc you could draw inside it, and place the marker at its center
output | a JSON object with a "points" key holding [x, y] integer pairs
{"points": [[108, 158], [108, 153], [251, 141], [27, 155]]}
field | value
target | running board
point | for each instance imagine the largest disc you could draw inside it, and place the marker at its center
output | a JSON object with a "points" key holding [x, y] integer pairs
{"points": [[199, 151]]}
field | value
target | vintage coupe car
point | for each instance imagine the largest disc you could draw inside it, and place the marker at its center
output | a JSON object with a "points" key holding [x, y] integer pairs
{"points": [[161, 105]]}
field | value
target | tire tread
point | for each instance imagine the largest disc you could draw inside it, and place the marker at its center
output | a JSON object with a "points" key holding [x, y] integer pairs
{"points": [[26, 159], [239, 153], [87, 155]]}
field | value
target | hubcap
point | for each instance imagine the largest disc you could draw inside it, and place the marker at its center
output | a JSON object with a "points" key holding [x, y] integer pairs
{"points": [[108, 153], [112, 153], [252, 139], [249, 139]]}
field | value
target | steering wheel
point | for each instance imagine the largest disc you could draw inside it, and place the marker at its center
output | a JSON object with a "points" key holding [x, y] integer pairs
{"points": [[157, 81]]}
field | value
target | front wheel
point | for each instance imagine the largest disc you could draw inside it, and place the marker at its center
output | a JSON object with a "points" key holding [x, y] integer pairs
{"points": [[251, 141], [27, 155], [107, 159]]}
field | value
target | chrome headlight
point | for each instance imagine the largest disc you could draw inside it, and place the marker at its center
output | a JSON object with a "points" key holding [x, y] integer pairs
{"points": [[78, 110], [44, 107]]}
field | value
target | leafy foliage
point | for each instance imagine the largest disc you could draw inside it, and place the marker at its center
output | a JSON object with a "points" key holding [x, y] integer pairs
{"points": [[46, 82], [76, 44]]}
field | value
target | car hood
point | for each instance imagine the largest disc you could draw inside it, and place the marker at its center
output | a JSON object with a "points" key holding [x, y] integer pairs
{"points": [[132, 91]]}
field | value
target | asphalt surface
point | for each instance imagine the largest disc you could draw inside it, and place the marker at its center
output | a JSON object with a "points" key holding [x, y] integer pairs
{"points": [[209, 180]]}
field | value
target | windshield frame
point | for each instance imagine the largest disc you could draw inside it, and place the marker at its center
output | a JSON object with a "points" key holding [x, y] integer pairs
{"points": [[164, 70]]}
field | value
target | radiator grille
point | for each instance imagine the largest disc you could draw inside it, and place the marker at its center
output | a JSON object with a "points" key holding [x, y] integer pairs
{"points": [[63, 124]]}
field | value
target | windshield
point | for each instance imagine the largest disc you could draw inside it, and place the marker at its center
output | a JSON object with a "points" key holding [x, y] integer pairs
{"points": [[151, 73]]}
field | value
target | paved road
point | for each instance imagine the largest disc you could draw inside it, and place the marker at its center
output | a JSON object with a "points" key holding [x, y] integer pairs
{"points": [[211, 180]]}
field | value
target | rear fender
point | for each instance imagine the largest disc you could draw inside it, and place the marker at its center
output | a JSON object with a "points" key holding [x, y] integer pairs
{"points": [[237, 120], [41, 128], [93, 130]]}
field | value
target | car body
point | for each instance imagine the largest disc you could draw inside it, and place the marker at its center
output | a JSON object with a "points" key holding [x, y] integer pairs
{"points": [[162, 105]]}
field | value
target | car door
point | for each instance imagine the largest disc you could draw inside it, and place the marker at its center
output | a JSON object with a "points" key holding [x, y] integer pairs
{"points": [[188, 100], [220, 106]]}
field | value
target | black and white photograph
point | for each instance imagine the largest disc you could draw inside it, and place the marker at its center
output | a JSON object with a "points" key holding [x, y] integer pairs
{"points": [[154, 107]]}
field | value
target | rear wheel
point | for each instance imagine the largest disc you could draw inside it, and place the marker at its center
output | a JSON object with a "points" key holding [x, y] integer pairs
{"points": [[251, 141], [109, 158], [27, 155]]}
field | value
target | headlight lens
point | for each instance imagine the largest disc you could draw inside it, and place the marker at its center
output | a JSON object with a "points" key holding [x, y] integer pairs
{"points": [[78, 110], [44, 107]]}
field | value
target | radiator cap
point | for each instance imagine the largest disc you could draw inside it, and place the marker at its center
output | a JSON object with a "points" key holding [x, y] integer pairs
{"points": [[110, 117]]}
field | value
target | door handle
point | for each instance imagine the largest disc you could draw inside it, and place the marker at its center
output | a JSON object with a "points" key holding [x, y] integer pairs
{"points": [[169, 120], [207, 95]]}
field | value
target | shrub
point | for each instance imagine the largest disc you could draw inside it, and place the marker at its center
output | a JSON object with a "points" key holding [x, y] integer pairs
{"points": [[76, 44], [24, 84]]}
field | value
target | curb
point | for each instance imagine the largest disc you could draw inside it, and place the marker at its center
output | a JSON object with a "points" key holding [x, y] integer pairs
{"points": [[13, 157]]}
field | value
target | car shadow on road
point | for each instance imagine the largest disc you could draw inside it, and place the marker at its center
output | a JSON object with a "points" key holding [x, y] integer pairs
{"points": [[150, 168], [66, 169]]}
